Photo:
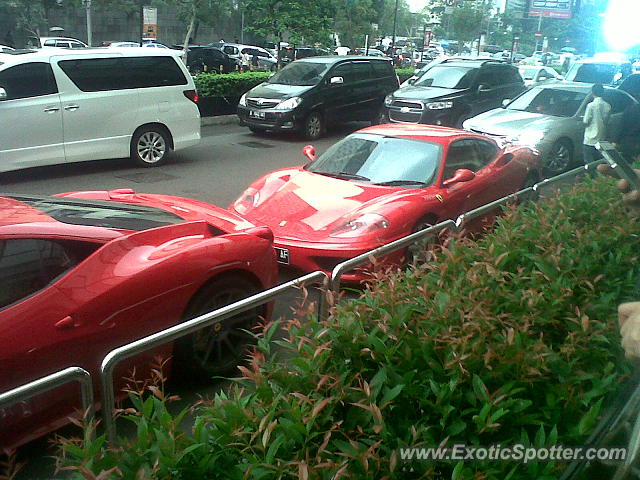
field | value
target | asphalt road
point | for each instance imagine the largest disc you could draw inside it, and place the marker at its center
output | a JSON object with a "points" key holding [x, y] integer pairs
{"points": [[228, 158], [226, 161]]}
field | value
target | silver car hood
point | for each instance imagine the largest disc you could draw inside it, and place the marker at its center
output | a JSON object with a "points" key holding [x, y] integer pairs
{"points": [[505, 122]]}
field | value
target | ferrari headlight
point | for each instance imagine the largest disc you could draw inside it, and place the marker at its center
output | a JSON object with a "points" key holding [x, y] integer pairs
{"points": [[365, 223], [288, 104], [247, 201], [439, 105], [388, 100], [243, 100]]}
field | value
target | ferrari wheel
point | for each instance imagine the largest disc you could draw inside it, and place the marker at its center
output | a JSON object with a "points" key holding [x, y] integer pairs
{"points": [[220, 348], [417, 251]]}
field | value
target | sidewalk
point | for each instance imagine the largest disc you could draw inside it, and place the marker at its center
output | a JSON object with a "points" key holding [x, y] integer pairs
{"points": [[219, 120]]}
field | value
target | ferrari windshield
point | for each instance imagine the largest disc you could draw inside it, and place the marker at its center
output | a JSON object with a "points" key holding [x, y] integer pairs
{"points": [[300, 73], [381, 160], [446, 77], [549, 101], [101, 214]]}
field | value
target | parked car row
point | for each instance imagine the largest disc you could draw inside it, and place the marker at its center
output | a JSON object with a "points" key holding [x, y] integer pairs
{"points": [[530, 104]]}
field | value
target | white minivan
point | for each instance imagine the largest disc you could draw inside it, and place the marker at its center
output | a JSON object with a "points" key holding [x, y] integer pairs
{"points": [[60, 106]]}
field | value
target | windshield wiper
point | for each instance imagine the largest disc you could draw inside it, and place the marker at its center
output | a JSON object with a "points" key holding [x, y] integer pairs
{"points": [[344, 175], [402, 182]]}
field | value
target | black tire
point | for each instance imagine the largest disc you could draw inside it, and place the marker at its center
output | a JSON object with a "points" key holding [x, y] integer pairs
{"points": [[379, 117], [219, 349], [313, 126], [417, 252], [150, 146], [197, 69], [560, 157], [257, 130]]}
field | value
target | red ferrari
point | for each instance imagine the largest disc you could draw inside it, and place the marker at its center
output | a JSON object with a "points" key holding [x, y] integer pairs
{"points": [[377, 185], [83, 273]]}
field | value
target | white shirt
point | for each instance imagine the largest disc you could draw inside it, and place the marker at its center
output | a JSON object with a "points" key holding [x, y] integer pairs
{"points": [[596, 117]]}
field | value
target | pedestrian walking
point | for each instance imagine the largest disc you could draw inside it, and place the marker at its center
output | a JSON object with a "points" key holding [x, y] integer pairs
{"points": [[254, 61], [596, 117], [245, 61]]}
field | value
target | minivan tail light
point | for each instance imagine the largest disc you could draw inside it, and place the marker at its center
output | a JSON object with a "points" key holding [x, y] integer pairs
{"points": [[191, 95]]}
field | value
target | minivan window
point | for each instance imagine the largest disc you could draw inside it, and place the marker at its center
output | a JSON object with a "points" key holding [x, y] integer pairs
{"points": [[382, 68], [447, 77], [300, 73], [362, 70], [28, 80], [120, 73]]}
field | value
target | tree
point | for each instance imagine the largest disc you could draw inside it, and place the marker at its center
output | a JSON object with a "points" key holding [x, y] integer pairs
{"points": [[300, 19], [33, 16], [467, 20]]}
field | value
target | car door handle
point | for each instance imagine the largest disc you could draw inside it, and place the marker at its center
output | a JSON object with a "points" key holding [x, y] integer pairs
{"points": [[71, 108], [66, 323], [51, 109]]}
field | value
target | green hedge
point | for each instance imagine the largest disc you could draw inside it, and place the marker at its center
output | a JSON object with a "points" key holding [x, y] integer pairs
{"points": [[509, 339], [235, 84]]}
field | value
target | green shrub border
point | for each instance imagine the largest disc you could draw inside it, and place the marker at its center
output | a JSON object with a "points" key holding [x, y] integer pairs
{"points": [[236, 84]]}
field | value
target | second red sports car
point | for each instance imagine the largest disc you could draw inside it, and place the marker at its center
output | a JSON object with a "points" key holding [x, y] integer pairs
{"points": [[86, 272], [377, 185]]}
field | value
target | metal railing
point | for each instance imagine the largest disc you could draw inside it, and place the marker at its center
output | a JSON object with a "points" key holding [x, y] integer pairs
{"points": [[57, 379], [186, 328], [331, 286], [456, 226]]}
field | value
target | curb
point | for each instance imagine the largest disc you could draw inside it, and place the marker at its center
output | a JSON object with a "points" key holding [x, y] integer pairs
{"points": [[219, 120]]}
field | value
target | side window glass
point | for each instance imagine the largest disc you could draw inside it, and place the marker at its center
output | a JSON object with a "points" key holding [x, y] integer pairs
{"points": [[28, 80], [50, 43], [461, 154], [362, 71], [345, 71], [486, 152], [485, 78], [28, 265], [382, 68], [152, 71]]}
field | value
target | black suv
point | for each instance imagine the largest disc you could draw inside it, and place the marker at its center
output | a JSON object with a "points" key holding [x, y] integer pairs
{"points": [[311, 93], [454, 90], [209, 59]]}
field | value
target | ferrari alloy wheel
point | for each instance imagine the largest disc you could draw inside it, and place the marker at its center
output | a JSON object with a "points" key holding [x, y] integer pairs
{"points": [[150, 146], [417, 251], [560, 158], [219, 348], [313, 126]]}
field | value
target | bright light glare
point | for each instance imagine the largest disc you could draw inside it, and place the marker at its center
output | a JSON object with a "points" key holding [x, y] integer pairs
{"points": [[621, 23]]}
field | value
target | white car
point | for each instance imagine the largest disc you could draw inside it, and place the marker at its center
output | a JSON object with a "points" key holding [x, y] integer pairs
{"points": [[94, 104], [535, 75], [123, 45], [57, 42]]}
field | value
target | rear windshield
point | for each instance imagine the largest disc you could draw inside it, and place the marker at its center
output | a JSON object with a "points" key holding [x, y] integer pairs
{"points": [[592, 72], [101, 214], [300, 73]]}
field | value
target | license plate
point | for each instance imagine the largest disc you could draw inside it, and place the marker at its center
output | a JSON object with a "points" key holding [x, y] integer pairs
{"points": [[256, 114], [282, 255]]}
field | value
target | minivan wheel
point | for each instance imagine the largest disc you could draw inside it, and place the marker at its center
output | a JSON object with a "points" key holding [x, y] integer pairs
{"points": [[150, 146], [313, 126]]}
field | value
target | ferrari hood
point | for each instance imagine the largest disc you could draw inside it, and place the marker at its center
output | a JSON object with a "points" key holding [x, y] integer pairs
{"points": [[297, 204]]}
